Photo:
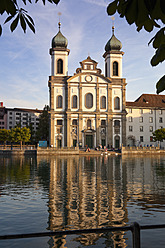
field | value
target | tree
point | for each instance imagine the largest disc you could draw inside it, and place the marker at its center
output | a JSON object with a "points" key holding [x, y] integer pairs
{"points": [[149, 14], [17, 14], [159, 135], [19, 134], [43, 128], [4, 136]]}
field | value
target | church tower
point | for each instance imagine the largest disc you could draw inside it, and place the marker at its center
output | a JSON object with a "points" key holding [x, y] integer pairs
{"points": [[113, 57], [59, 55], [116, 92], [57, 85]]}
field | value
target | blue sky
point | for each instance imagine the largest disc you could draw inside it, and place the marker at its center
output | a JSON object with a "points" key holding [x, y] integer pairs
{"points": [[25, 59]]}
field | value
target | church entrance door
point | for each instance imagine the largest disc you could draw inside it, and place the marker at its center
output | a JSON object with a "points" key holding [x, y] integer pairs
{"points": [[89, 141], [59, 143]]}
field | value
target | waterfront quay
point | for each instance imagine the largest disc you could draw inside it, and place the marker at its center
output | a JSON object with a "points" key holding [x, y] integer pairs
{"points": [[32, 150]]}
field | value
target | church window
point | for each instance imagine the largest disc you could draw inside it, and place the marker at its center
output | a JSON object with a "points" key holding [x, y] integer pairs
{"points": [[117, 123], [60, 66], [106, 69], [59, 101], [74, 122], [88, 124], [103, 102], [88, 100], [103, 123], [115, 68], [117, 103], [74, 101]]}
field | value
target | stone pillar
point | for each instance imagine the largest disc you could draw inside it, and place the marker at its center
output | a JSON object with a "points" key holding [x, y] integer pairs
{"points": [[68, 131], [80, 97], [109, 98], [52, 130], [123, 130], [123, 97], [80, 128], [69, 95], [97, 98], [51, 116], [109, 130], [97, 130]]}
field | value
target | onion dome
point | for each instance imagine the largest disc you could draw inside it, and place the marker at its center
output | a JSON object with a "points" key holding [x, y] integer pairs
{"points": [[59, 40], [113, 44]]}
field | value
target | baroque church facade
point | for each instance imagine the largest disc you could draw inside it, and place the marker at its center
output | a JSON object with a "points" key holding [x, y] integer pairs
{"points": [[88, 108]]}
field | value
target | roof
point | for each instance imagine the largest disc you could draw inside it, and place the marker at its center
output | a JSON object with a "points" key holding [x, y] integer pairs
{"points": [[25, 110], [148, 101]]}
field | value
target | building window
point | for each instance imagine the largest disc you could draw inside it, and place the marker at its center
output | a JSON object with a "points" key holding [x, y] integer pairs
{"points": [[59, 122], [106, 69], [130, 128], [151, 119], [59, 101], [160, 120], [151, 139], [151, 129], [130, 111], [130, 119], [103, 102], [103, 123], [161, 127], [117, 103], [141, 111], [117, 123], [74, 101], [115, 69], [88, 100], [88, 124], [160, 111], [151, 111], [10, 113], [141, 138], [141, 128], [60, 66], [74, 122], [141, 119]]}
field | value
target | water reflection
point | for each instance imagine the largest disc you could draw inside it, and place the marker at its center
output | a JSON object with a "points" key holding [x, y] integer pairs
{"points": [[82, 192]]}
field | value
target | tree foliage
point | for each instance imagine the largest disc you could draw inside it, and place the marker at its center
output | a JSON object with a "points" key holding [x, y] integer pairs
{"points": [[19, 134], [149, 14], [159, 134], [43, 127], [4, 135], [17, 14]]}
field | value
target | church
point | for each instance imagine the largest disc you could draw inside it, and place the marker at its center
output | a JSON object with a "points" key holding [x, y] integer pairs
{"points": [[87, 109]]}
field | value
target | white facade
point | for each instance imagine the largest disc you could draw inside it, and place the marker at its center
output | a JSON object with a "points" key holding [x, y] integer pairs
{"points": [[143, 118]]}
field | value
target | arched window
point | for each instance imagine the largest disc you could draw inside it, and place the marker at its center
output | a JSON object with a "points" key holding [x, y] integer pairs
{"points": [[88, 100], [106, 69], [60, 66], [115, 69], [103, 102], [74, 101], [117, 103], [88, 124], [59, 101]]}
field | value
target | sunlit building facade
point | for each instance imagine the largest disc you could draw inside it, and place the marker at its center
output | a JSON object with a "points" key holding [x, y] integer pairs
{"points": [[88, 108]]}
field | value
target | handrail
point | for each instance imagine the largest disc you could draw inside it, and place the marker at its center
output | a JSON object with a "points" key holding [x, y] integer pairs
{"points": [[134, 228]]}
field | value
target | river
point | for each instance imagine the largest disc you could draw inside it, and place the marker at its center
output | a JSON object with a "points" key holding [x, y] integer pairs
{"points": [[39, 194]]}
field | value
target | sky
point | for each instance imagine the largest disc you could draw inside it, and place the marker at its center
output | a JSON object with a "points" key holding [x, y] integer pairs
{"points": [[25, 60]]}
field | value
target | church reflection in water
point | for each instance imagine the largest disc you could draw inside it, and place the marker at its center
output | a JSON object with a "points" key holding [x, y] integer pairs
{"points": [[87, 192]]}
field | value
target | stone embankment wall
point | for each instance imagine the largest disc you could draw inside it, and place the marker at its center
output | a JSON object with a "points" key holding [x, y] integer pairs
{"points": [[142, 150]]}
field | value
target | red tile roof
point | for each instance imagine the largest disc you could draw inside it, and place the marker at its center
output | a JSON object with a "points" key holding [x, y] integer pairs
{"points": [[148, 101]]}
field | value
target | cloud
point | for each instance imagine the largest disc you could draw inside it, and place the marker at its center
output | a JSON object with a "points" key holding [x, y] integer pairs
{"points": [[97, 2]]}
